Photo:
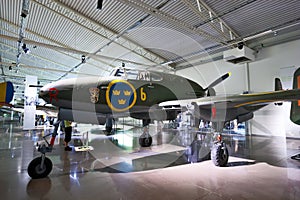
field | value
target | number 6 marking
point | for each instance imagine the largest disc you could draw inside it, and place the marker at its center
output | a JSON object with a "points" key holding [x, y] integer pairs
{"points": [[143, 95]]}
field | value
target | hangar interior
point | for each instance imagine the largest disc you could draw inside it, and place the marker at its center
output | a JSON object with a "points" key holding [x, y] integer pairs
{"points": [[197, 39]]}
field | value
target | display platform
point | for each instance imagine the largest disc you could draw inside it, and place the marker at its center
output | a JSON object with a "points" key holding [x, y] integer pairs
{"points": [[84, 148]]}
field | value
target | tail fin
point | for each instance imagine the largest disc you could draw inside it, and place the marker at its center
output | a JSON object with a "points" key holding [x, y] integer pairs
{"points": [[295, 107], [278, 85]]}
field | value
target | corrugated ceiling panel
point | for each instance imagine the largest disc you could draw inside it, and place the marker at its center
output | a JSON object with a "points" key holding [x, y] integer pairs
{"points": [[10, 10], [198, 38], [261, 15], [182, 11], [78, 24], [223, 7], [70, 33], [115, 15]]}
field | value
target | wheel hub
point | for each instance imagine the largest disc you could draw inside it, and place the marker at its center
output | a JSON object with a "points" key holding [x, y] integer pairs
{"points": [[39, 169]]}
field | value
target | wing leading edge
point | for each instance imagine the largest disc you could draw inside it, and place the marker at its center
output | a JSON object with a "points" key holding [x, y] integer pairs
{"points": [[226, 108]]}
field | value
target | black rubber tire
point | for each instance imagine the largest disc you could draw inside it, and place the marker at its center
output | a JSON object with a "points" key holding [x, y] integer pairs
{"points": [[108, 129], [34, 170], [145, 141], [219, 155], [109, 125]]}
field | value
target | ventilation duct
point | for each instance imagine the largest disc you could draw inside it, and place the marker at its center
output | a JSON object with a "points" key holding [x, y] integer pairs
{"points": [[239, 55]]}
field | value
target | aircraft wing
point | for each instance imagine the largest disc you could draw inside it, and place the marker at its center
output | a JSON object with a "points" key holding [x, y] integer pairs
{"points": [[49, 111], [236, 101], [234, 106]]}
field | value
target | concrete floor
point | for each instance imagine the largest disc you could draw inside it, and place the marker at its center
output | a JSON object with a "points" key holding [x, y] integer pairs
{"points": [[117, 168]]}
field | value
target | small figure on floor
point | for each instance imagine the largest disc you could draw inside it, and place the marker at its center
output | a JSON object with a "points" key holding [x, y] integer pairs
{"points": [[68, 134]]}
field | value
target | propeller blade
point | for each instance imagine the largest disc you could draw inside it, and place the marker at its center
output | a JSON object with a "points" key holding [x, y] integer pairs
{"points": [[37, 86], [219, 80]]}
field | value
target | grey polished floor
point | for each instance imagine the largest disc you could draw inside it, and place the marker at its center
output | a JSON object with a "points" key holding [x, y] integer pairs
{"points": [[117, 168]]}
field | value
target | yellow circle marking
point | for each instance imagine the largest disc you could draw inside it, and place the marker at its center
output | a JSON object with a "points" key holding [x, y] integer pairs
{"points": [[108, 98]]}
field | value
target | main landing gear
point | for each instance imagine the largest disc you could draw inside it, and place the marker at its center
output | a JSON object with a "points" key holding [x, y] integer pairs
{"points": [[219, 152], [145, 139], [41, 167], [209, 147]]}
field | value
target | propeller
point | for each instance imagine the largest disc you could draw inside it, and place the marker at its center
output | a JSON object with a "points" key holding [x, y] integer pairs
{"points": [[37, 86], [219, 80]]}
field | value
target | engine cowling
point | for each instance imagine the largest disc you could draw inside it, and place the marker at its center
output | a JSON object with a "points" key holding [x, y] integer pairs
{"points": [[81, 116], [245, 117]]}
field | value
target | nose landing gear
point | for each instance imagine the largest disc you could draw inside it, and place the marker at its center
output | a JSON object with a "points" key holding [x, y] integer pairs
{"points": [[41, 167]]}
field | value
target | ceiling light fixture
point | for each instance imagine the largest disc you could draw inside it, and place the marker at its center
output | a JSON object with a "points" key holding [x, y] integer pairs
{"points": [[99, 4], [83, 59], [25, 48]]}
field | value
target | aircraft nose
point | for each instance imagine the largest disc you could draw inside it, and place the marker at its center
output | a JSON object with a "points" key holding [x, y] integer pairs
{"points": [[48, 93], [42, 93]]}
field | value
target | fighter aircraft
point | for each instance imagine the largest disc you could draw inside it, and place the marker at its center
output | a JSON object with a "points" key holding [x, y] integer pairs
{"points": [[150, 95]]}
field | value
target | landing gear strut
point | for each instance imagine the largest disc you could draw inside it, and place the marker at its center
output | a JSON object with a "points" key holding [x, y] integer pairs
{"points": [[109, 125], [41, 167]]}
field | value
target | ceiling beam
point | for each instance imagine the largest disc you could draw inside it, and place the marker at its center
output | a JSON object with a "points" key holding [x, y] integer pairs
{"points": [[12, 29], [92, 25], [219, 27], [5, 64], [71, 50], [234, 33], [170, 19]]}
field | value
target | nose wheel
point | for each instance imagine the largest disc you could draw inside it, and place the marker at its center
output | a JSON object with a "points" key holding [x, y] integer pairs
{"points": [[39, 167]]}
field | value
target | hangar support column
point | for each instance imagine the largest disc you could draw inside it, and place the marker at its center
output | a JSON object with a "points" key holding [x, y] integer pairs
{"points": [[248, 125]]}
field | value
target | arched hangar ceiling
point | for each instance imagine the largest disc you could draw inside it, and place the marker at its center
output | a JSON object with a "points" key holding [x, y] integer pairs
{"points": [[149, 33]]}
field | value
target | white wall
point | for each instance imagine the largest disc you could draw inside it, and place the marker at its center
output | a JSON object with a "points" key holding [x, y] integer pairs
{"points": [[271, 120], [207, 73], [270, 62]]}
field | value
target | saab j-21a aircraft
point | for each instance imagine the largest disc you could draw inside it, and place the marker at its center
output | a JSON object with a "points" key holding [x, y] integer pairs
{"points": [[150, 95]]}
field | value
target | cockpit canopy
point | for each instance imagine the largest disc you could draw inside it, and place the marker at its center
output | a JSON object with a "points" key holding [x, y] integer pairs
{"points": [[135, 74]]}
